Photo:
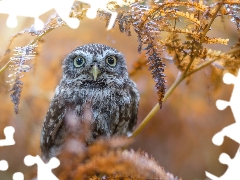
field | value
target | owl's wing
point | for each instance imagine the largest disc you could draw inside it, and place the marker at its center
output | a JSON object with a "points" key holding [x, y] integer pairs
{"points": [[135, 97], [52, 123]]}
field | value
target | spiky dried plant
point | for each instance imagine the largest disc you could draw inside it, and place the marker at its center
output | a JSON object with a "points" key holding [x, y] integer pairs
{"points": [[106, 159]]}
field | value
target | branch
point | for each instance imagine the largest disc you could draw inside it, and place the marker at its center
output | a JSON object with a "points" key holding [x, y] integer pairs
{"points": [[5, 66], [39, 37], [178, 80], [203, 65], [209, 25], [154, 110]]}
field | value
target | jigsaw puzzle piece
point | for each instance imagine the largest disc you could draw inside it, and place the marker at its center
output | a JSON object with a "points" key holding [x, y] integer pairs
{"points": [[233, 167]]}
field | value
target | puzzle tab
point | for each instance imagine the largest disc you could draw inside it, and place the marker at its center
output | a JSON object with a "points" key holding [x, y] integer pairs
{"points": [[96, 5]]}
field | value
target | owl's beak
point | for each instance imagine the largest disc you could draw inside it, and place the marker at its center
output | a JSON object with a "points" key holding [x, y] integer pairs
{"points": [[95, 71]]}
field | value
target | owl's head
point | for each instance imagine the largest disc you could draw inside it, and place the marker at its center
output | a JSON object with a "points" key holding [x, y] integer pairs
{"points": [[94, 63]]}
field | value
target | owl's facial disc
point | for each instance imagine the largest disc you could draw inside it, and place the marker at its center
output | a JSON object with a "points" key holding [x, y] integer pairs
{"points": [[95, 71]]}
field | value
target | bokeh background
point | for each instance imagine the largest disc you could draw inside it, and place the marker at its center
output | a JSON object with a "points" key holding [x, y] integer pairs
{"points": [[179, 136]]}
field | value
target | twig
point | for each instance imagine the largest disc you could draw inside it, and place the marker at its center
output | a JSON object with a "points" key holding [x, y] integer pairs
{"points": [[209, 25], [203, 65], [154, 110], [5, 66], [39, 37], [203, 35]]}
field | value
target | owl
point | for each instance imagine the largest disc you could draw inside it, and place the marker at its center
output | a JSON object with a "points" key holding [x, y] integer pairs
{"points": [[95, 87]]}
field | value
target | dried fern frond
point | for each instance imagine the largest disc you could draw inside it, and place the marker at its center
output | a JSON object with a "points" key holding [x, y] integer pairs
{"points": [[236, 55], [19, 61], [208, 40], [189, 52], [150, 21], [188, 16], [192, 5], [156, 67], [233, 9], [148, 35], [53, 22], [78, 10], [18, 66]]}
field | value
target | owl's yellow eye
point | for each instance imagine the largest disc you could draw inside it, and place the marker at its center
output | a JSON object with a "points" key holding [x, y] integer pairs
{"points": [[111, 61], [79, 61]]}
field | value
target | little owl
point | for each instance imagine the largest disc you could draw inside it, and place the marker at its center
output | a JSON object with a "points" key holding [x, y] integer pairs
{"points": [[95, 87]]}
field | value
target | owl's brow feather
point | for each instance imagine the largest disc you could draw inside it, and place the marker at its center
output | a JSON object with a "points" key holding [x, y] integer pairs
{"points": [[95, 49]]}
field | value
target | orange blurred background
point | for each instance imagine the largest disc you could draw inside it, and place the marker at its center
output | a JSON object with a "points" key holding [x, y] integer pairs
{"points": [[178, 137]]}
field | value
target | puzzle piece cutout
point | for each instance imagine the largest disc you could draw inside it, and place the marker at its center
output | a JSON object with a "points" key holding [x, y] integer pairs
{"points": [[234, 100], [8, 132], [233, 167], [18, 176], [44, 170], [232, 131], [8, 141], [35, 8], [3, 165], [96, 5]]}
